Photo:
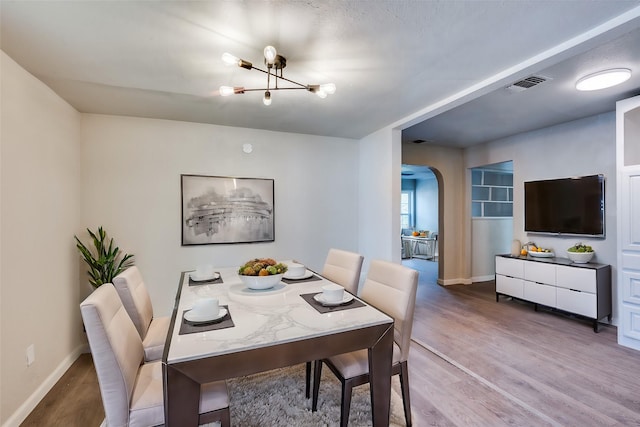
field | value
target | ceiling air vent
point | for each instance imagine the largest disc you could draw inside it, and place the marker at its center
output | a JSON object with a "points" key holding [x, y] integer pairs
{"points": [[527, 83]]}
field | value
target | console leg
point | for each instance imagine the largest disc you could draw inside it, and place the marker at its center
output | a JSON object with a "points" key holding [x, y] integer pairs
{"points": [[497, 297], [596, 326]]}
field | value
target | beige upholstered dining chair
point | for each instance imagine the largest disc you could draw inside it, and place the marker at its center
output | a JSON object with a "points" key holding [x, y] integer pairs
{"points": [[132, 394], [343, 268], [136, 300], [390, 288]]}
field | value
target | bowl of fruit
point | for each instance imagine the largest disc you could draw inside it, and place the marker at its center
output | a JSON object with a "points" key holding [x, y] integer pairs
{"points": [[537, 251], [261, 273], [580, 254]]}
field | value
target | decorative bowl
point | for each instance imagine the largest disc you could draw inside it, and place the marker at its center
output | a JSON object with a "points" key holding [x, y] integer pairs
{"points": [[261, 282], [580, 257]]}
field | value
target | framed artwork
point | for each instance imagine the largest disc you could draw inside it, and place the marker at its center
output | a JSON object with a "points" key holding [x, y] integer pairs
{"points": [[220, 210]]}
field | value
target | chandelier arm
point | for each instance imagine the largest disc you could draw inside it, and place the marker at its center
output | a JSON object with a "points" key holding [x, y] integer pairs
{"points": [[279, 77], [273, 88]]}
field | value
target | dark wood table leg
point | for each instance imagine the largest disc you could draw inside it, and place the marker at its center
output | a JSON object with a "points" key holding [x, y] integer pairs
{"points": [[181, 399], [380, 359]]}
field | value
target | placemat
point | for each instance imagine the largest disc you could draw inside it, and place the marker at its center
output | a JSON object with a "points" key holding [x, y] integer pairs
{"points": [[309, 279], [189, 328], [354, 303], [206, 282]]}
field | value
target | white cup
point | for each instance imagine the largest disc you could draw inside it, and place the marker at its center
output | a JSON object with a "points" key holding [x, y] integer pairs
{"points": [[204, 271], [206, 307], [295, 270], [332, 293]]}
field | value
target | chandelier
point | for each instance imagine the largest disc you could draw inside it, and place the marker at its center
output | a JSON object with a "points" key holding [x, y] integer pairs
{"points": [[275, 64]]}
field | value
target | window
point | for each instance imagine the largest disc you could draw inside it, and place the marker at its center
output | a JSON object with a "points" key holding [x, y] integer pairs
{"points": [[491, 193], [406, 210]]}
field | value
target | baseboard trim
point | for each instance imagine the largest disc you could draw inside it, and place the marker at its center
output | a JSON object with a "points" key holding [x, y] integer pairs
{"points": [[449, 282], [32, 401], [483, 278]]}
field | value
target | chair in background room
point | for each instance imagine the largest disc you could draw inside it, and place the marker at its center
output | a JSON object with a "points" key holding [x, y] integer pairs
{"points": [[343, 268], [133, 393], [137, 303], [390, 288]]}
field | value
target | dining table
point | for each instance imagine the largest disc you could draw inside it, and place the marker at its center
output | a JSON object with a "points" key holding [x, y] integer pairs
{"points": [[264, 330]]}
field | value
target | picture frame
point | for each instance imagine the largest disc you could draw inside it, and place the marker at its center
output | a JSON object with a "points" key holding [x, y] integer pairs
{"points": [[226, 210]]}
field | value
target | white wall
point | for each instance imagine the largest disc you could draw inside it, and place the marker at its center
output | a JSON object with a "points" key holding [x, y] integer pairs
{"points": [[427, 204], [581, 147], [489, 237], [379, 197], [40, 199], [131, 178]]}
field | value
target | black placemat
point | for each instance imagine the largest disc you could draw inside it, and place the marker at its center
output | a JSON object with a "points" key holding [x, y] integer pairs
{"points": [[205, 282], [189, 328], [354, 303], [308, 279]]}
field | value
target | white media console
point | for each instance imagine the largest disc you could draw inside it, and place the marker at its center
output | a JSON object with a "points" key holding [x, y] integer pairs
{"points": [[583, 289]]}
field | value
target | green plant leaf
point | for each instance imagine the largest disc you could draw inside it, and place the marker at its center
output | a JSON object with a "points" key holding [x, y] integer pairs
{"points": [[107, 261]]}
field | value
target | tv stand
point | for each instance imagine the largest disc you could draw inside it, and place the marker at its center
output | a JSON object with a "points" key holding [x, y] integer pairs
{"points": [[583, 289]]}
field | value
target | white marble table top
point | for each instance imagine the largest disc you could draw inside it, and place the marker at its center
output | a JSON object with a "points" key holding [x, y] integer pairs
{"points": [[261, 319]]}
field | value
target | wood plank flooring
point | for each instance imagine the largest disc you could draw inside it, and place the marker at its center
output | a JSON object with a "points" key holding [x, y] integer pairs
{"points": [[473, 362]]}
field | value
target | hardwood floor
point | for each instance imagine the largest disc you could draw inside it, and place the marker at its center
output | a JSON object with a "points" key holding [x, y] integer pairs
{"points": [[473, 362]]}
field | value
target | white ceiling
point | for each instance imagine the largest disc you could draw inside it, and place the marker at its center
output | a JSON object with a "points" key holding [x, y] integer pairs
{"points": [[391, 60]]}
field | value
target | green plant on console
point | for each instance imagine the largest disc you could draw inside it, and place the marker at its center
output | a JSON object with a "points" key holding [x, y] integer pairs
{"points": [[108, 261]]}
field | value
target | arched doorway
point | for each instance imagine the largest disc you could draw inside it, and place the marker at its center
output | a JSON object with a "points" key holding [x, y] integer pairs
{"points": [[421, 212]]}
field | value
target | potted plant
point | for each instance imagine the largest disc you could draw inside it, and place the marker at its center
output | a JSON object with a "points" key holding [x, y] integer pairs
{"points": [[107, 262]]}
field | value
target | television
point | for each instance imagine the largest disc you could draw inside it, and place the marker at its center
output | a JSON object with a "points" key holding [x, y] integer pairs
{"points": [[565, 206]]}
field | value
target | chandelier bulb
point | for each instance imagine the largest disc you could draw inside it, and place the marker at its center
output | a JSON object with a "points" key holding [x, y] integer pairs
{"points": [[229, 59], [322, 94], [267, 98], [270, 54], [227, 90], [328, 88]]}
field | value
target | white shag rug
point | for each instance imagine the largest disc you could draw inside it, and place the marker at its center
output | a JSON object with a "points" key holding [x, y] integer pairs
{"points": [[276, 398]]}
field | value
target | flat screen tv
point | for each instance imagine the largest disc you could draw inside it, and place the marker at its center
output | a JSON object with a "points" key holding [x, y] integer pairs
{"points": [[565, 206]]}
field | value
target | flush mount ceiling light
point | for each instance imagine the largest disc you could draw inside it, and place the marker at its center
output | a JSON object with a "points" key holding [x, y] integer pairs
{"points": [[603, 79], [275, 63]]}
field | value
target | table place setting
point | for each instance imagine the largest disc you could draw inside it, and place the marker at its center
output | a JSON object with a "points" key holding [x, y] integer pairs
{"points": [[297, 273], [332, 298], [204, 275], [206, 315]]}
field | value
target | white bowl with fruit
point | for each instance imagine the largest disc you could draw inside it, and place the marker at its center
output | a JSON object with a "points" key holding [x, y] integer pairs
{"points": [[580, 254], [261, 273], [539, 252]]}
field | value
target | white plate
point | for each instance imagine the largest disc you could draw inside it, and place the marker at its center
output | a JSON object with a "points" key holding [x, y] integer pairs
{"points": [[306, 275], [345, 299], [191, 317], [197, 278]]}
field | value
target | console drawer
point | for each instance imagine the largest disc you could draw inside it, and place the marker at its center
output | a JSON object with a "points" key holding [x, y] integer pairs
{"points": [[510, 267], [577, 302], [509, 286], [581, 279], [537, 271], [539, 293]]}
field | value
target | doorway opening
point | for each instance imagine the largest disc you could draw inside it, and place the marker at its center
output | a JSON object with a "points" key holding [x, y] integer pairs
{"points": [[420, 220]]}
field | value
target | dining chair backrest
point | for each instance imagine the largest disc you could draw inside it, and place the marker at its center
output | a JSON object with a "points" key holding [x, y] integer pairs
{"points": [[391, 288], [116, 349], [343, 268], [135, 298]]}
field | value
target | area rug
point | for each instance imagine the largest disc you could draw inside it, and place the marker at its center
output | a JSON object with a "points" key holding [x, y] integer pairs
{"points": [[276, 398]]}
